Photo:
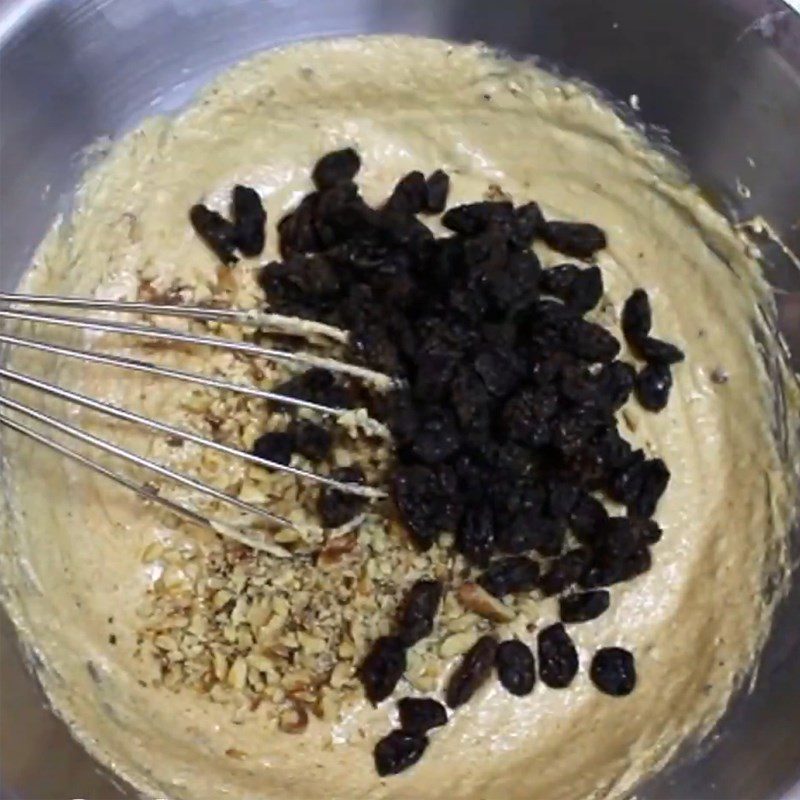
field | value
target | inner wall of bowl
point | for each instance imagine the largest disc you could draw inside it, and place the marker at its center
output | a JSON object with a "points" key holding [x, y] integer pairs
{"points": [[722, 77]]}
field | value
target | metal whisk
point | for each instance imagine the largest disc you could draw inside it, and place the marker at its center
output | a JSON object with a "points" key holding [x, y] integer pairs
{"points": [[10, 310]]}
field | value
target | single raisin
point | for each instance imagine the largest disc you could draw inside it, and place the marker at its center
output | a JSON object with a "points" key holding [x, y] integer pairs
{"points": [[382, 668], [337, 167], [472, 672], [275, 446], [528, 223], [589, 341], [216, 232], [410, 194], [653, 384], [473, 218], [576, 239], [249, 218], [656, 351], [654, 477], [420, 714], [311, 440], [419, 611], [337, 507], [437, 187], [516, 667], [427, 502], [637, 318], [613, 671], [475, 537], [398, 751], [436, 438], [558, 658], [647, 530], [510, 576], [583, 606]]}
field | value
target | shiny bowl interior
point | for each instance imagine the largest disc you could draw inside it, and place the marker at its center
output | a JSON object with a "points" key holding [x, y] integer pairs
{"points": [[716, 80]]}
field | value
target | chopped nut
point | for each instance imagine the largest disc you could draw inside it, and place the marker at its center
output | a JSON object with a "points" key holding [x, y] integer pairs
{"points": [[294, 719], [457, 644], [475, 598], [165, 643], [152, 552], [220, 666], [238, 674], [341, 673], [335, 550]]}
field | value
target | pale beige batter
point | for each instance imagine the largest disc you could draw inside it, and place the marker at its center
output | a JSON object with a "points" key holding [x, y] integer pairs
{"points": [[73, 543]]}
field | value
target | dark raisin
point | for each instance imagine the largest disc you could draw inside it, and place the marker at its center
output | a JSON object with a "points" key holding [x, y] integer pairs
{"points": [[581, 289], [653, 384], [216, 232], [500, 371], [588, 515], [311, 440], [647, 531], [398, 751], [473, 218], [656, 351], [317, 385], [576, 239], [589, 341], [637, 318], [382, 668], [615, 383], [337, 507], [420, 714], [558, 658], [587, 290], [296, 231], [475, 538], [400, 414], [372, 346], [618, 539], [613, 671], [419, 611], [516, 667], [510, 576], [558, 280], [564, 571], [249, 218], [468, 395], [654, 477], [275, 446], [427, 501], [339, 166], [626, 482], [562, 498], [528, 223], [583, 606], [437, 187], [410, 194], [486, 253], [525, 417], [436, 438], [513, 288], [606, 571], [473, 671]]}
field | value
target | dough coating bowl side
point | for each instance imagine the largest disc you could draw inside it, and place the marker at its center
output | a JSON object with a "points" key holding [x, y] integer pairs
{"points": [[722, 76]]}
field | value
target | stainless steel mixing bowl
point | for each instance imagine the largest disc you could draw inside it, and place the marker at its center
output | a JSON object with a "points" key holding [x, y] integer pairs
{"points": [[721, 77]]}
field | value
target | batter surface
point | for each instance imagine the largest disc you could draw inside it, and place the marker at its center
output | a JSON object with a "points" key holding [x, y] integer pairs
{"points": [[72, 551]]}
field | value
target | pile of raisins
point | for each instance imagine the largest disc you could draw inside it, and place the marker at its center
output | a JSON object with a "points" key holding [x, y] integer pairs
{"points": [[505, 427]]}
